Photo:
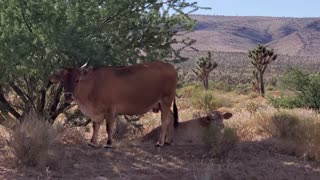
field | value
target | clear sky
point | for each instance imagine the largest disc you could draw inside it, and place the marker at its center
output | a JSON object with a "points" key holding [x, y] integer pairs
{"points": [[278, 8]]}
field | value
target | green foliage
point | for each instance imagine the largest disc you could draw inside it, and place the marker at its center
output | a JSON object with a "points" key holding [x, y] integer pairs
{"points": [[285, 102], [37, 37], [306, 88], [205, 66], [205, 100], [260, 57], [294, 80]]}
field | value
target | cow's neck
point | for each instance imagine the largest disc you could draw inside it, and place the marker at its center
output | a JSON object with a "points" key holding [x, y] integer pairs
{"points": [[82, 93]]}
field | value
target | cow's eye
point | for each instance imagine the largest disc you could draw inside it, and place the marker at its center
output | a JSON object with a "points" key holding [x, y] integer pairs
{"points": [[77, 80]]}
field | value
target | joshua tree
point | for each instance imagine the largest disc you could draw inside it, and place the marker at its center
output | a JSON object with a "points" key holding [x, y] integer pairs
{"points": [[205, 66], [260, 57]]}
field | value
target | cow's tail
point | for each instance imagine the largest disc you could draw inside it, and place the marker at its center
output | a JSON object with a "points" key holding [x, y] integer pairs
{"points": [[175, 114]]}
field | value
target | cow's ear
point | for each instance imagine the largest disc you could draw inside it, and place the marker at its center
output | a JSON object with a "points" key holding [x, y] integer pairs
{"points": [[56, 76], [227, 115]]}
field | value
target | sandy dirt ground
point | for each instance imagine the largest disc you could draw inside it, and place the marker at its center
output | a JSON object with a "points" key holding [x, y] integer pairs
{"points": [[143, 161]]}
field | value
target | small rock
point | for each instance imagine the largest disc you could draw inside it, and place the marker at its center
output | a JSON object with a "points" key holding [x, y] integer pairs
{"points": [[77, 166], [101, 178]]}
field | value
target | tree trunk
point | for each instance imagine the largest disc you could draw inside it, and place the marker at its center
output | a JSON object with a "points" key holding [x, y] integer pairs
{"points": [[261, 84], [206, 82]]}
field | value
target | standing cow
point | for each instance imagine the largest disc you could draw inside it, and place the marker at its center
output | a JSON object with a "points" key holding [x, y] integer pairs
{"points": [[104, 92]]}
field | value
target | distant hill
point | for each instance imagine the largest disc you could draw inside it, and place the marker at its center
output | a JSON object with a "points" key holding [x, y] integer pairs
{"points": [[288, 36]]}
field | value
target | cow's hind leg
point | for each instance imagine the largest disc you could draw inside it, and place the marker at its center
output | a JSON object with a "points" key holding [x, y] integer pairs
{"points": [[170, 130], [94, 139], [165, 110], [110, 119]]}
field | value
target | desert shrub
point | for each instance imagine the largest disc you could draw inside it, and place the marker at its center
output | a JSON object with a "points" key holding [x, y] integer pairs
{"points": [[220, 142], [285, 125], [30, 141], [204, 100], [220, 85], [285, 102], [296, 134], [187, 91], [252, 106], [243, 89], [306, 87]]}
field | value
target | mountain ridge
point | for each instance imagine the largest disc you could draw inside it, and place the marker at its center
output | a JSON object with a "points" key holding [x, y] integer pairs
{"points": [[287, 35]]}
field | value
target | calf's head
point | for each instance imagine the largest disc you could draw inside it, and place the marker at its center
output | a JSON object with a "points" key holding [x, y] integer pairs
{"points": [[215, 118], [70, 78]]}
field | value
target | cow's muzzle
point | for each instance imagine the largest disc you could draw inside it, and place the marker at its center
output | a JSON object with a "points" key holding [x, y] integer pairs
{"points": [[68, 97]]}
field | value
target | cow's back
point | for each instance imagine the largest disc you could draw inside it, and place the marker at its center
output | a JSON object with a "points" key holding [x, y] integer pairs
{"points": [[134, 89]]}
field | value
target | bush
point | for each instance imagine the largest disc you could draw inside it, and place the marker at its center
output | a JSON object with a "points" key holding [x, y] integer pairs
{"points": [[296, 134], [306, 88], [252, 106], [285, 102], [204, 100], [30, 140], [187, 91], [220, 142], [285, 125]]}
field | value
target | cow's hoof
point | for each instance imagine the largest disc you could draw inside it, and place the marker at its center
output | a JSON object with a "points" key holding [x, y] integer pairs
{"points": [[92, 145], [107, 146], [167, 143], [159, 144]]}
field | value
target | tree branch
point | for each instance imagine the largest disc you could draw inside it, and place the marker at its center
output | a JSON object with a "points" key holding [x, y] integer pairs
{"points": [[24, 18], [42, 99], [19, 92], [6, 105], [56, 100], [55, 114]]}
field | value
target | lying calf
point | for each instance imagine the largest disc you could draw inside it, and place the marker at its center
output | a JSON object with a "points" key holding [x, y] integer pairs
{"points": [[191, 131]]}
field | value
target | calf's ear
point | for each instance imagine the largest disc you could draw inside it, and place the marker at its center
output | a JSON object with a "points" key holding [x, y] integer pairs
{"points": [[227, 115], [56, 76]]}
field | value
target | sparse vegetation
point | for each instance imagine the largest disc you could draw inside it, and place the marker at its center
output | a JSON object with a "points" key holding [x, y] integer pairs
{"points": [[31, 140], [295, 134]]}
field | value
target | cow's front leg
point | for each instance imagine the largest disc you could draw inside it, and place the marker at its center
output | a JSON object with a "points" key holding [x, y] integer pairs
{"points": [[110, 119], [94, 139]]}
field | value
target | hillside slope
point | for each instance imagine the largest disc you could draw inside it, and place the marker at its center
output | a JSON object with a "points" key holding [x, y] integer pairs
{"points": [[288, 36]]}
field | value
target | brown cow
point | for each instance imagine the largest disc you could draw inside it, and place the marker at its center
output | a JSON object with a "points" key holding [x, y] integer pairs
{"points": [[101, 93], [192, 131]]}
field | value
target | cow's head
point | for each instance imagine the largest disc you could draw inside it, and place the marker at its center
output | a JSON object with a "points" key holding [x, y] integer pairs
{"points": [[70, 79], [215, 118]]}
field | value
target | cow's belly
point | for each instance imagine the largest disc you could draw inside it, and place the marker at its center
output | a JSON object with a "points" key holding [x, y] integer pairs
{"points": [[136, 109], [89, 112]]}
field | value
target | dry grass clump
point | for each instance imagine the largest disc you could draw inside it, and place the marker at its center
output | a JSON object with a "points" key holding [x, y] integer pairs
{"points": [[294, 134], [246, 125], [220, 141], [30, 141]]}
